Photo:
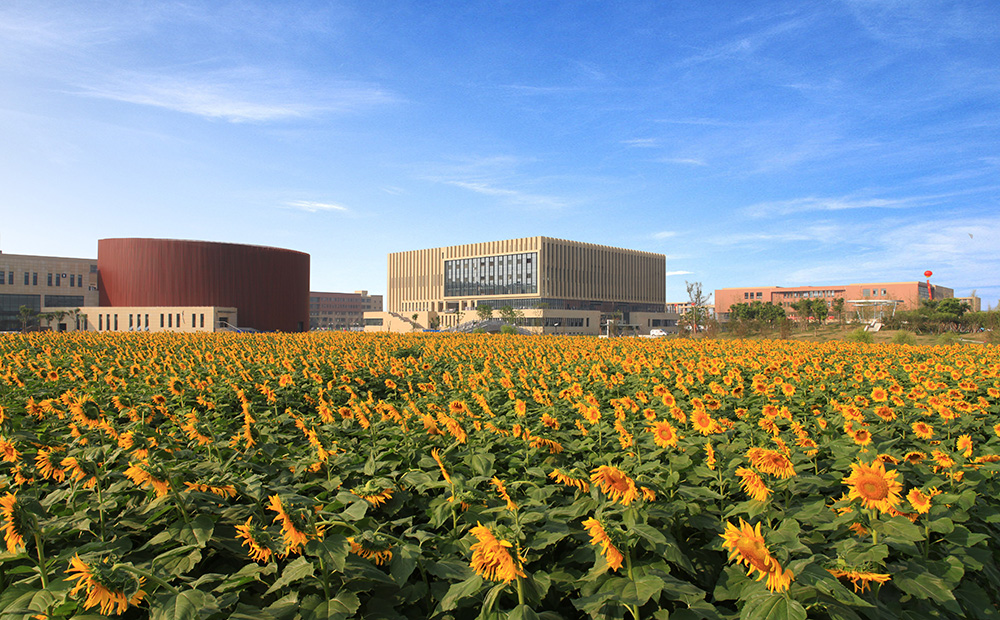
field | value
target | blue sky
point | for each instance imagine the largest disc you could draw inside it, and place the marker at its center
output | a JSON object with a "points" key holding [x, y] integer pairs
{"points": [[753, 143]]}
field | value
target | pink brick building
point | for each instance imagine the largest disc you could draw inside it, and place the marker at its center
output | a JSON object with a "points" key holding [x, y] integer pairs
{"points": [[908, 294]]}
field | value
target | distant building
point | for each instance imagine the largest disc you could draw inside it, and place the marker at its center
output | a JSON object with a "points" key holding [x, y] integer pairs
{"points": [[683, 307], [557, 286], [159, 285], [975, 303], [44, 284], [341, 311], [906, 295]]}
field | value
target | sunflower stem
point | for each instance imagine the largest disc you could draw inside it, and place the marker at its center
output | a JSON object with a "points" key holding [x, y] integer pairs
{"points": [[150, 576], [100, 507], [41, 560], [633, 609]]}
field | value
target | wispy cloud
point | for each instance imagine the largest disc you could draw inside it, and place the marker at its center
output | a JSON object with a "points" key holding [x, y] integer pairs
{"points": [[315, 207], [664, 234], [688, 161], [679, 273], [513, 195], [242, 95], [644, 143], [844, 203]]}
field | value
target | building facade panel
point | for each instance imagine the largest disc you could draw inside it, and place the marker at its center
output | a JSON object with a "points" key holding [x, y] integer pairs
{"points": [[269, 286]]}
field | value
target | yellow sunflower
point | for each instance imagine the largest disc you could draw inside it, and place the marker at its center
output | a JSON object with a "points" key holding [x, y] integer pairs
{"points": [[771, 462], [292, 525], [576, 483], [746, 545], [874, 486], [491, 558], [860, 579], [110, 588], [664, 434], [615, 483], [257, 539], [752, 484], [922, 430], [599, 538]]}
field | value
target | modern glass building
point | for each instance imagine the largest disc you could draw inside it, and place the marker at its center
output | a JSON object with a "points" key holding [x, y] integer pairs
{"points": [[582, 283]]}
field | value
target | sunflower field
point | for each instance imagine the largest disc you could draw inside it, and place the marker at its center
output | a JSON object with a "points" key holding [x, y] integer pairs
{"points": [[346, 475]]}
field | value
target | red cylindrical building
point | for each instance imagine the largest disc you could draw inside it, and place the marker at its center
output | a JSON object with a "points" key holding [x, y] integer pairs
{"points": [[269, 287]]}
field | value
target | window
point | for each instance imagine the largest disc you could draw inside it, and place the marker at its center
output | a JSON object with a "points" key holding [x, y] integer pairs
{"points": [[72, 280], [161, 321], [192, 320], [58, 280], [178, 319], [203, 320], [170, 320], [1, 278], [93, 268], [27, 280], [130, 326], [49, 283], [100, 322], [760, 295], [34, 279], [866, 292]]}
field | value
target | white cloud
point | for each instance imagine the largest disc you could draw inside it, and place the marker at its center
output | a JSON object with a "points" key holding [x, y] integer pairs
{"points": [[679, 273], [690, 161], [240, 95], [315, 207], [513, 195], [843, 203], [664, 234], [641, 142]]}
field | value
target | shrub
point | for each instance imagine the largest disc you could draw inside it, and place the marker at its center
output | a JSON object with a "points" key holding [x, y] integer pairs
{"points": [[904, 337], [860, 335]]}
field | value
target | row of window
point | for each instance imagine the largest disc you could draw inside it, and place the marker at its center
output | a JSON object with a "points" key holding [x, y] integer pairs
{"points": [[52, 279], [141, 321], [508, 274], [873, 292]]}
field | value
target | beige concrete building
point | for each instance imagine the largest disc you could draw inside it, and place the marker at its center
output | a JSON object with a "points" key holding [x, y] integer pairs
{"points": [[44, 284], [341, 311], [556, 286]]}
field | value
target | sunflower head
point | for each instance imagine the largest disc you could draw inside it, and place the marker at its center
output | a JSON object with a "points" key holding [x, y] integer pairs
{"points": [[106, 584], [874, 486]]}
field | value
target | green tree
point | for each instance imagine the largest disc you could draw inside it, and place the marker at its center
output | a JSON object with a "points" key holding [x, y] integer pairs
{"points": [[819, 310], [485, 311], [838, 309], [27, 316], [803, 309], [510, 314]]}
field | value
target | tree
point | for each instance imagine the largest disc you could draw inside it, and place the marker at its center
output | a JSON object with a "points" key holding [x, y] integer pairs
{"points": [[27, 314], [485, 312], [819, 310], [698, 301], [510, 314], [838, 309], [803, 309]]}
